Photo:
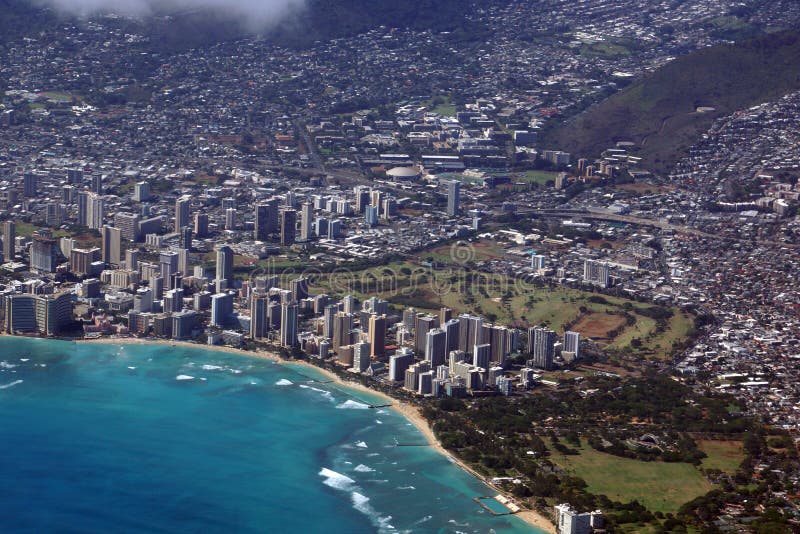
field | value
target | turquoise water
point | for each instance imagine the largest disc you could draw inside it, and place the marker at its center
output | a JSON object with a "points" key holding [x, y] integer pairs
{"points": [[104, 438]]}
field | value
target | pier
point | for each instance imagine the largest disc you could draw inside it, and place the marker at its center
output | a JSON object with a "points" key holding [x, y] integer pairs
{"points": [[489, 509]]}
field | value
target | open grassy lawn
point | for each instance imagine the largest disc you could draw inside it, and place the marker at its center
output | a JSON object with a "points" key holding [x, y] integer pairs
{"points": [[659, 486], [539, 177], [442, 105], [61, 96], [462, 250], [504, 300], [723, 455], [26, 230]]}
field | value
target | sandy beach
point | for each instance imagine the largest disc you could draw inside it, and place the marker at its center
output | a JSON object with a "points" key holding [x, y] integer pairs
{"points": [[410, 412]]}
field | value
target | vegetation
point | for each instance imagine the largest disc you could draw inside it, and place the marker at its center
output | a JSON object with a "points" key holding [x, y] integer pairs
{"points": [[659, 113], [550, 440], [658, 486]]}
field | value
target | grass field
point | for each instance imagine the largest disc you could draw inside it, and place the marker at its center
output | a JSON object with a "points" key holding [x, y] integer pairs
{"points": [[60, 96], [504, 300], [723, 455], [26, 230], [539, 177], [659, 486]]}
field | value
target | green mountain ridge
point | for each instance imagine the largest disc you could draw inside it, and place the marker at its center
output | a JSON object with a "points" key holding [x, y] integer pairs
{"points": [[659, 112]]}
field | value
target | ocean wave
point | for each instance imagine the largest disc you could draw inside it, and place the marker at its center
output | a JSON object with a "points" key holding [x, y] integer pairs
{"points": [[361, 444], [132, 367], [283, 382], [379, 421], [208, 367], [325, 393], [184, 377], [406, 488], [373, 454], [424, 520], [381, 411], [336, 480], [5, 365], [353, 405], [11, 384], [361, 503], [361, 468]]}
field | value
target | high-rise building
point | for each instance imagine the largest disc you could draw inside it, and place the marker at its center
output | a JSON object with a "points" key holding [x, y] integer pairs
{"points": [[572, 344], [288, 226], [143, 300], [55, 214], [74, 176], [132, 259], [335, 229], [470, 332], [182, 212], [221, 309], [182, 324], [81, 260], [451, 330], [422, 325], [230, 219], [168, 264], [225, 266], [44, 253], [596, 273], [342, 325], [453, 197], [128, 224], [569, 521], [306, 218], [361, 356], [288, 324], [541, 344], [482, 355], [185, 238], [29, 184], [97, 183], [46, 314], [94, 211], [399, 362], [200, 225], [349, 304], [173, 300], [537, 262], [111, 245], [435, 346], [299, 289], [9, 235], [327, 320], [377, 334], [266, 215], [362, 198], [258, 316], [371, 215], [141, 192]]}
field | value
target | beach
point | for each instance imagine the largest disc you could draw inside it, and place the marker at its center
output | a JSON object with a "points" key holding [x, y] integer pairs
{"points": [[409, 411]]}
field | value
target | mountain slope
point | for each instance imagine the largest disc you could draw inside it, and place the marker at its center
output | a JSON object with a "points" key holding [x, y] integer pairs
{"points": [[658, 113]]}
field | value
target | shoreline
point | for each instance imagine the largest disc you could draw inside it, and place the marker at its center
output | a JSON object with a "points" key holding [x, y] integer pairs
{"points": [[409, 411]]}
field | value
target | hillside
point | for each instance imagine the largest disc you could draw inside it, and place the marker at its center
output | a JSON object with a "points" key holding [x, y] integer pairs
{"points": [[658, 113], [323, 20]]}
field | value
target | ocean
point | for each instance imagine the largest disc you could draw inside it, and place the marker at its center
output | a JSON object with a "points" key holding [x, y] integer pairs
{"points": [[153, 438]]}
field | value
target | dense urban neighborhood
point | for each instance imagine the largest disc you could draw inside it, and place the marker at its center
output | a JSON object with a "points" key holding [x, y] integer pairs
{"points": [[391, 206]]}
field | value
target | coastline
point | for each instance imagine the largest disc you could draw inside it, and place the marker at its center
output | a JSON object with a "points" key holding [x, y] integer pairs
{"points": [[409, 411]]}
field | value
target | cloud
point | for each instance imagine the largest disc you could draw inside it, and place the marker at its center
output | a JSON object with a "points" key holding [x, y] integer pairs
{"points": [[255, 13]]}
